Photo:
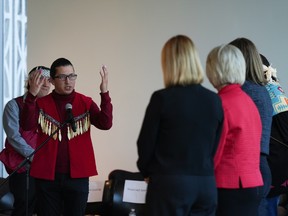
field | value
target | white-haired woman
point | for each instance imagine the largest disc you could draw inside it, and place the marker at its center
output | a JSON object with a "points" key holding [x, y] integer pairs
{"points": [[237, 159]]}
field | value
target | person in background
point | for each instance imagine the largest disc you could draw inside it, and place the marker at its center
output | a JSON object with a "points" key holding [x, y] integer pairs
{"points": [[254, 86], [278, 157], [62, 167], [237, 168], [179, 137], [20, 144]]}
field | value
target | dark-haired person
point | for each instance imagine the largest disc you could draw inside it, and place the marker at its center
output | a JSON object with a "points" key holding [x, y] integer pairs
{"points": [[254, 86], [63, 166], [20, 144], [278, 157]]}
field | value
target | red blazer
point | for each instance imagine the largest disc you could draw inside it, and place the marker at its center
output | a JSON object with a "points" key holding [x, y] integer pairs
{"points": [[80, 150], [237, 160]]}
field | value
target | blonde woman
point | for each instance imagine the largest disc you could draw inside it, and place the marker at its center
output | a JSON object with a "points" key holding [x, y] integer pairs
{"points": [[179, 137]]}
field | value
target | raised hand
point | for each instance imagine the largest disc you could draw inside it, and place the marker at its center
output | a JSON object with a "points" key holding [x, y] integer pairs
{"points": [[104, 77], [35, 82]]}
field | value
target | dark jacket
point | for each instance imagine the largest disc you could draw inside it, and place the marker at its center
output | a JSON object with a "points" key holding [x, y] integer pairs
{"points": [[180, 132]]}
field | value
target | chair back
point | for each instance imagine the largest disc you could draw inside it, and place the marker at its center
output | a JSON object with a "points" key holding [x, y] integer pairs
{"points": [[113, 194]]}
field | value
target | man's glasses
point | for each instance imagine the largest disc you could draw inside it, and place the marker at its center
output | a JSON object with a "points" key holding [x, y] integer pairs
{"points": [[63, 77]]}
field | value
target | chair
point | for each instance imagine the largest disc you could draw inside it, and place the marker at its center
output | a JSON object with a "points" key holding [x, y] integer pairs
{"points": [[94, 205], [113, 194]]}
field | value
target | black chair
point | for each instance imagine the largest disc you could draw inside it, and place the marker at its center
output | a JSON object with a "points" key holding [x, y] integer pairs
{"points": [[113, 194], [94, 207], [6, 199]]}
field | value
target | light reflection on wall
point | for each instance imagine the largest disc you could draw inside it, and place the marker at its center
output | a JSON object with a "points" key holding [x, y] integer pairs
{"points": [[13, 55]]}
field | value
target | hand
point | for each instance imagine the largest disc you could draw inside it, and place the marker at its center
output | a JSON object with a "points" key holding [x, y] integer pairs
{"points": [[104, 82], [146, 180], [35, 82]]}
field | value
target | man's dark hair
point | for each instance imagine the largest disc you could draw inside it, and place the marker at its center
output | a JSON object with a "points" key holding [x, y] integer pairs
{"points": [[58, 63]]}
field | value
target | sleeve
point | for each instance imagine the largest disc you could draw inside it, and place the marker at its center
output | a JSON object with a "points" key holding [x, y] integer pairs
{"points": [[218, 135], [11, 127], [222, 142], [29, 114], [102, 118], [147, 138]]}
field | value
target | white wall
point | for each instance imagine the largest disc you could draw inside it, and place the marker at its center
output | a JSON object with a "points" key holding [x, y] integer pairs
{"points": [[128, 35]]}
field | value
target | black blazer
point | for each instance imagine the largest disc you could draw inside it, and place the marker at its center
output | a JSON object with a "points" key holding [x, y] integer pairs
{"points": [[180, 132]]}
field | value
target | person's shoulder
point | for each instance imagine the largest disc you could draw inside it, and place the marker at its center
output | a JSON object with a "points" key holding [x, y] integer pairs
{"points": [[254, 88], [82, 97], [206, 90], [11, 106], [13, 101], [168, 92], [248, 85], [45, 98], [252, 85], [193, 89], [207, 93], [281, 115], [160, 92], [78, 94]]}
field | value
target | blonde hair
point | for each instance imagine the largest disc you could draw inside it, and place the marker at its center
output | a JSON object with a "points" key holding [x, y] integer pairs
{"points": [[180, 62], [225, 65]]}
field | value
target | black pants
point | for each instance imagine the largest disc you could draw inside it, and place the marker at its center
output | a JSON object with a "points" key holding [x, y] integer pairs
{"points": [[18, 187], [267, 179], [181, 196], [238, 202], [63, 196]]}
